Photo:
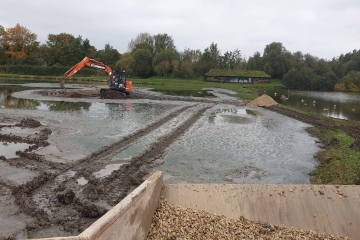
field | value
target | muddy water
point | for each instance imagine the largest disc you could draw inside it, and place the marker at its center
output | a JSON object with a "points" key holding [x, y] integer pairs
{"points": [[16, 175], [78, 133], [232, 146], [138, 147], [331, 104], [8, 149], [196, 142]]}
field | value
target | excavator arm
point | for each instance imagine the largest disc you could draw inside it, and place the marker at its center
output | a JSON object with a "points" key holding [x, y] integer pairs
{"points": [[86, 62]]}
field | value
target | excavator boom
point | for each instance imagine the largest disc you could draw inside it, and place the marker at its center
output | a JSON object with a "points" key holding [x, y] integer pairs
{"points": [[87, 62]]}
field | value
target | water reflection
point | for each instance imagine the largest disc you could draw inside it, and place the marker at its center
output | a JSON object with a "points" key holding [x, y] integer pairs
{"points": [[68, 106], [332, 104], [8, 101]]}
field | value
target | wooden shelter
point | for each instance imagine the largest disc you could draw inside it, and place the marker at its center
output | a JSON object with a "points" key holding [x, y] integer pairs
{"points": [[237, 76]]}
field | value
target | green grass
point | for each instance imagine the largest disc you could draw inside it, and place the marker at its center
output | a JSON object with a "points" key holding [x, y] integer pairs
{"points": [[339, 162], [237, 73], [244, 91]]}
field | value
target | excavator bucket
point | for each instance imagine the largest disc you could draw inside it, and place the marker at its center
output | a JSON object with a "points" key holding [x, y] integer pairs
{"points": [[62, 83]]}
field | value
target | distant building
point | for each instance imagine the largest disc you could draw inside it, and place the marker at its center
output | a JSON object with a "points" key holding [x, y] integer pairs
{"points": [[237, 76]]}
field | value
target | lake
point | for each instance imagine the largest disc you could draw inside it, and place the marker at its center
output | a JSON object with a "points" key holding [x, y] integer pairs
{"points": [[331, 104]]}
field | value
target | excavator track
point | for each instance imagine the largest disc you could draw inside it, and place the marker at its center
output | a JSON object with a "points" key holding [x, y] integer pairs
{"points": [[108, 93]]}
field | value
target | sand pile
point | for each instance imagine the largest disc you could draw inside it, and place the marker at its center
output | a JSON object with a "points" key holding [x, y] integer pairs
{"points": [[174, 222], [263, 101]]}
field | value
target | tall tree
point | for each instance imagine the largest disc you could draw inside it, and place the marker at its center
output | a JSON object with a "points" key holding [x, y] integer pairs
{"points": [[212, 54], [163, 42], [19, 42], [2, 47], [143, 63], [231, 60], [276, 59], [73, 52], [322, 68], [108, 55], [89, 50], [143, 38], [255, 62], [165, 55], [58, 45], [311, 61], [190, 55], [126, 63], [300, 78]]}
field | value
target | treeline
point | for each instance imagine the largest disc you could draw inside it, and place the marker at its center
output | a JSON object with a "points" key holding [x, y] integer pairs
{"points": [[306, 72], [21, 53], [156, 55]]}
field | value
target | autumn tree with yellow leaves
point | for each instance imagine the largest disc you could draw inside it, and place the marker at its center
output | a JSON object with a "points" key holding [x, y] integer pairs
{"points": [[19, 42]]}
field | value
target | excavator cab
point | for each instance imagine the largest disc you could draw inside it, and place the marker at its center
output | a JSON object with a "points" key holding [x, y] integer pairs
{"points": [[119, 82]]}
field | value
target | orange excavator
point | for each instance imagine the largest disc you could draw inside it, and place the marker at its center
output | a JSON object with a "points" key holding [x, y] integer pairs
{"points": [[117, 79]]}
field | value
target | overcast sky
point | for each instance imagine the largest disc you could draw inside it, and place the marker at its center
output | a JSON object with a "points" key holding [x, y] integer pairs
{"points": [[324, 28]]}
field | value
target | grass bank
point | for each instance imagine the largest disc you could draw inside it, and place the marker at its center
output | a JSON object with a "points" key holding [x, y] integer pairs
{"points": [[339, 163]]}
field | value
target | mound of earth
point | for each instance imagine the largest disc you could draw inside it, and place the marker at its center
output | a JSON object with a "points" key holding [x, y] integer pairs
{"points": [[112, 94], [29, 123], [263, 101]]}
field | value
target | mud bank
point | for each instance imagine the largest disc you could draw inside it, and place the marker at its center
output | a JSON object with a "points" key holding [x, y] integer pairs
{"points": [[92, 94]]}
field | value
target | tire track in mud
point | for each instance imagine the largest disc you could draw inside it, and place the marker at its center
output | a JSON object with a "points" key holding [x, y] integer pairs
{"points": [[48, 197], [129, 176], [99, 195]]}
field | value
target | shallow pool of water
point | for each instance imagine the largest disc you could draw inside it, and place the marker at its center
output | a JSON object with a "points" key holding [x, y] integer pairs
{"points": [[80, 132], [9, 149], [232, 146]]}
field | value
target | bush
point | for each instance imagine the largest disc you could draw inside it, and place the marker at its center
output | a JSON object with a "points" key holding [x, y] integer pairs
{"points": [[340, 87]]}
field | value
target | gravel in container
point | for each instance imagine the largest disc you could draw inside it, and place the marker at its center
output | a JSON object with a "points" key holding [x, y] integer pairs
{"points": [[174, 222]]}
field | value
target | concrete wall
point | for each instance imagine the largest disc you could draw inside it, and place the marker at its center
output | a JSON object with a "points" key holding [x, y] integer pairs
{"points": [[331, 209], [130, 219]]}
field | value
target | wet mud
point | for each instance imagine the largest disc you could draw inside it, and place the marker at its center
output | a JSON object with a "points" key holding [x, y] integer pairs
{"points": [[140, 93], [54, 198], [69, 197]]}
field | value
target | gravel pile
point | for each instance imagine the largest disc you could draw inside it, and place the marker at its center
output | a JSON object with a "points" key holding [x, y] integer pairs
{"points": [[174, 222], [263, 101]]}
